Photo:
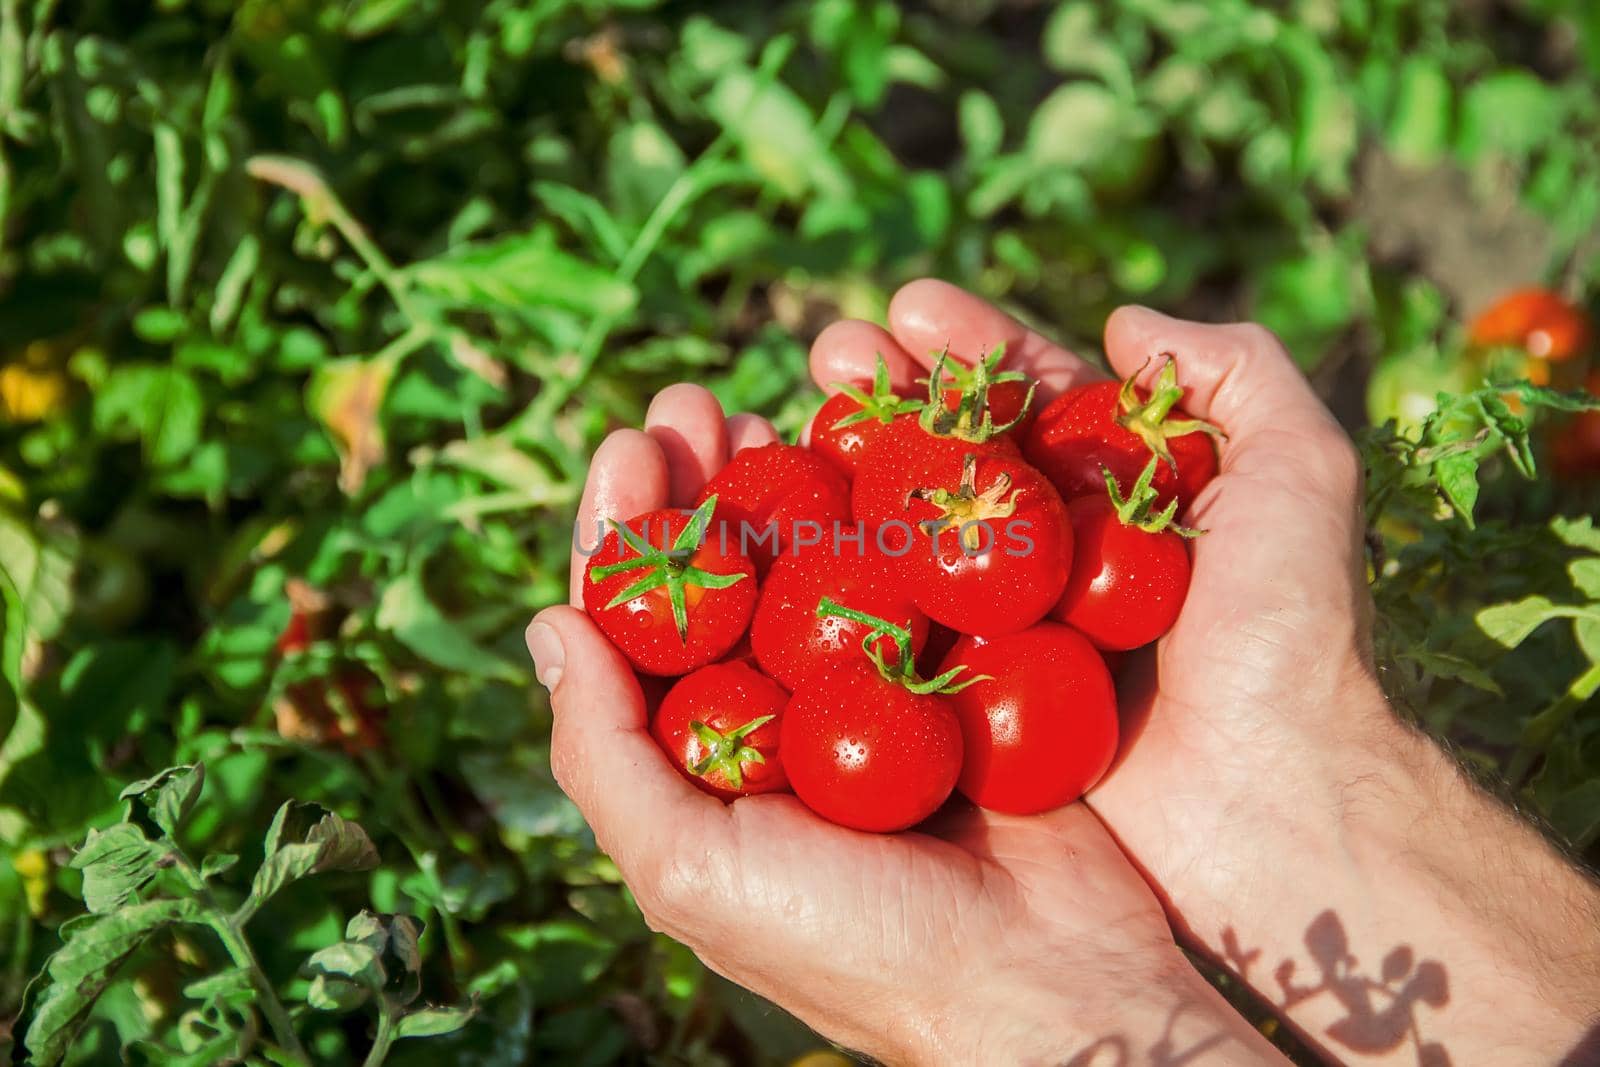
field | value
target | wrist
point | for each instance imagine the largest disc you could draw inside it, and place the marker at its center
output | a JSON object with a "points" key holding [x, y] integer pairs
{"points": [[1147, 1011]]}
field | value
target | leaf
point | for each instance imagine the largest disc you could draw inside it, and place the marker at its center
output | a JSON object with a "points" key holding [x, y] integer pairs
{"points": [[1458, 480], [331, 844], [161, 406], [431, 1022], [411, 617], [1510, 624], [223, 985], [776, 134], [176, 789], [641, 165], [116, 863], [519, 273], [1512, 111], [331, 993], [1576, 813], [346, 396], [1419, 129], [217, 863], [982, 128], [349, 959], [81, 969], [1585, 574]]}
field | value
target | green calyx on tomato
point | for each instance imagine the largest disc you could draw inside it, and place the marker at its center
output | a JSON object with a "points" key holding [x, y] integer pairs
{"points": [[667, 567], [1134, 509], [902, 671], [881, 404], [970, 420], [966, 507], [1148, 419], [727, 753]]}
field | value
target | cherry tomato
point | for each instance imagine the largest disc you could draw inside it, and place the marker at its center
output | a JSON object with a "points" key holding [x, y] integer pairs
{"points": [[1130, 570], [866, 752], [767, 497], [1107, 425], [719, 726], [849, 420], [789, 638], [866, 742], [1575, 451], [914, 453], [991, 548], [1041, 729], [671, 598], [1537, 320]]}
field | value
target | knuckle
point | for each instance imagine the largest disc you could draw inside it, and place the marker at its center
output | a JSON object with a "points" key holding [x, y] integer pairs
{"points": [[1256, 341]]}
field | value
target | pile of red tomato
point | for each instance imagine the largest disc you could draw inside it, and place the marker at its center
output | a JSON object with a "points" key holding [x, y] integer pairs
{"points": [[920, 600]]}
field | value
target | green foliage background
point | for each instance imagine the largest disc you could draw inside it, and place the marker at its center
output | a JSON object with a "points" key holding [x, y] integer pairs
{"points": [[344, 294]]}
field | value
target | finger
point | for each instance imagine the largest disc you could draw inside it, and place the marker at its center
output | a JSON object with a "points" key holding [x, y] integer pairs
{"points": [[1240, 377], [602, 754], [749, 431], [627, 477], [928, 314], [687, 422], [847, 352]]}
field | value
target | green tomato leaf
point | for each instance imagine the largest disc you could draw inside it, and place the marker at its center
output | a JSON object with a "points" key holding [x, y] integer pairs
{"points": [[330, 844], [431, 1022], [116, 863]]}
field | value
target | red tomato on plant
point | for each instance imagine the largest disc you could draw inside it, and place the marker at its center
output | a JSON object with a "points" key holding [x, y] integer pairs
{"points": [[1040, 726], [1010, 398], [866, 743], [767, 495], [850, 419], [791, 640], [1106, 425], [719, 725], [992, 546], [1130, 569], [1575, 451], [1537, 320], [910, 454], [667, 595]]}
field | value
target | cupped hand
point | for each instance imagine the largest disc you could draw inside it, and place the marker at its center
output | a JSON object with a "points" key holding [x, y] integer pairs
{"points": [[1227, 727], [978, 938]]}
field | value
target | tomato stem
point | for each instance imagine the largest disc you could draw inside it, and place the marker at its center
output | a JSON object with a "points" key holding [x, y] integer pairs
{"points": [[727, 752], [1148, 419], [881, 404], [1134, 510], [667, 568], [971, 420], [903, 672]]}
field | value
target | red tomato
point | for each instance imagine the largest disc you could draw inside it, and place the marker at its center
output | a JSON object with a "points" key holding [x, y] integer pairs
{"points": [[1127, 583], [903, 458], [1540, 321], [719, 725], [941, 639], [789, 638], [1042, 728], [866, 752], [669, 610], [992, 546], [1575, 451], [768, 496], [850, 419], [1107, 425]]}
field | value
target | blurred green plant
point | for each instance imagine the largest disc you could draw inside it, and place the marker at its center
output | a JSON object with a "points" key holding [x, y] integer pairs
{"points": [[313, 313]]}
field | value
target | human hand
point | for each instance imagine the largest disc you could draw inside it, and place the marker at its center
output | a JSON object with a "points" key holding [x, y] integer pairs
{"points": [[979, 938], [1263, 785]]}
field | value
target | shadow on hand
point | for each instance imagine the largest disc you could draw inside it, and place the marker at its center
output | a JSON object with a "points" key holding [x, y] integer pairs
{"points": [[1380, 1005]]}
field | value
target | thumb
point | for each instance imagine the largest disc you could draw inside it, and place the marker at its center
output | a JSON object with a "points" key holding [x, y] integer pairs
{"points": [[601, 752]]}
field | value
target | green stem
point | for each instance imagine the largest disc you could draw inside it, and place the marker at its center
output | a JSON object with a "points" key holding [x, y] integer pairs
{"points": [[384, 1038], [238, 948], [827, 608], [1543, 726]]}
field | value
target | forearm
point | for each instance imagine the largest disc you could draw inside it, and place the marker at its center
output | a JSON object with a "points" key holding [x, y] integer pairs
{"points": [[1399, 906]]}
